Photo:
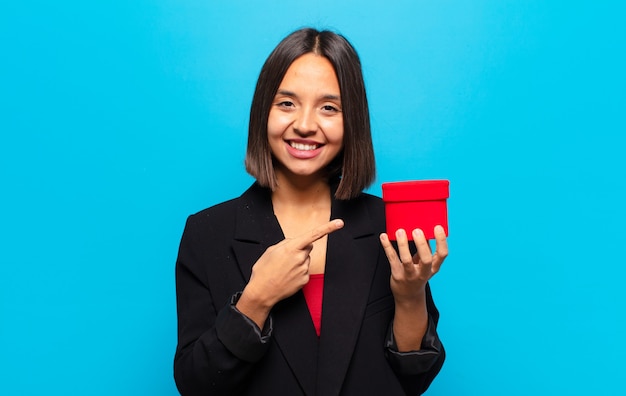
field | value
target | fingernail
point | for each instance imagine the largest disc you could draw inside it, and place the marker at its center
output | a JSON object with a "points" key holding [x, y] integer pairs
{"points": [[400, 233]]}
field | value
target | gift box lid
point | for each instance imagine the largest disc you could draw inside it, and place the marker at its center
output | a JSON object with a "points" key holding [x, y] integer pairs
{"points": [[416, 190]]}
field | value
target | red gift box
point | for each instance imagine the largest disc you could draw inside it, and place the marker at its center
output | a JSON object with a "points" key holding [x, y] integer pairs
{"points": [[416, 204]]}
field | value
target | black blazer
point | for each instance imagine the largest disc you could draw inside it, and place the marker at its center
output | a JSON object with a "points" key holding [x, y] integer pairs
{"points": [[222, 352]]}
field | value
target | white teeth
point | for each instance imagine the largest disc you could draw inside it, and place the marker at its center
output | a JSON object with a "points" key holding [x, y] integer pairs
{"points": [[303, 147]]}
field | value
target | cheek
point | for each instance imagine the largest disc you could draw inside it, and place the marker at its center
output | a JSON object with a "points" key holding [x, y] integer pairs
{"points": [[276, 124], [334, 132]]}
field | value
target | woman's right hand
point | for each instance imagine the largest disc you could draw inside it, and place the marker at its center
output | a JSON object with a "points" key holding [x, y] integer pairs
{"points": [[280, 272]]}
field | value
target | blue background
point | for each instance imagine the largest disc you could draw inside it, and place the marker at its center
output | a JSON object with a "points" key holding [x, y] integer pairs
{"points": [[120, 118]]}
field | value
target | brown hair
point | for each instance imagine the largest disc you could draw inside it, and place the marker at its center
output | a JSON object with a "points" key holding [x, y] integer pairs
{"points": [[354, 166]]}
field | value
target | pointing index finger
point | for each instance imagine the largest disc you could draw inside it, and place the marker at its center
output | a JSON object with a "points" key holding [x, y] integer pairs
{"points": [[318, 232]]}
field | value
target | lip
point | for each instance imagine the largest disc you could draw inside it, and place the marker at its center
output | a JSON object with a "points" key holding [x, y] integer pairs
{"points": [[303, 154]]}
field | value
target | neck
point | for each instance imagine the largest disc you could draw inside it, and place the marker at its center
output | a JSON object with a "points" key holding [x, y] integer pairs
{"points": [[301, 192]]}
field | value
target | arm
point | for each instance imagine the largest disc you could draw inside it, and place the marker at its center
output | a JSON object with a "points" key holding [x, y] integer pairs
{"points": [[418, 368], [217, 348], [413, 345], [280, 272]]}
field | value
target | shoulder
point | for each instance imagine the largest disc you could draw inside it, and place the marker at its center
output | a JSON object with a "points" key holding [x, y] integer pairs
{"points": [[214, 213], [365, 201], [371, 200], [222, 218], [209, 225], [375, 207]]}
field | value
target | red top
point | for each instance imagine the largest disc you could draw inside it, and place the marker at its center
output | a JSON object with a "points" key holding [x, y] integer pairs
{"points": [[313, 293]]}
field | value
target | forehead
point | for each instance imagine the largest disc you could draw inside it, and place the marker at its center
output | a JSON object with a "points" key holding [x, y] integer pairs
{"points": [[313, 72]]}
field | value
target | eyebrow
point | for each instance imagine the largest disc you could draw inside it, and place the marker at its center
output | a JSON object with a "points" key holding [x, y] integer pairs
{"points": [[290, 93]]}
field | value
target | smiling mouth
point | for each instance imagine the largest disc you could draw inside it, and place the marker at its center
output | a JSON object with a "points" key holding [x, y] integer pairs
{"points": [[304, 146]]}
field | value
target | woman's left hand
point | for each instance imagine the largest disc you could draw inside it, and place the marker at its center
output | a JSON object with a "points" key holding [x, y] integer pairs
{"points": [[409, 274]]}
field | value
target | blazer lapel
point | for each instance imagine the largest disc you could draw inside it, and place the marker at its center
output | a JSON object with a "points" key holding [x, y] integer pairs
{"points": [[257, 228], [346, 289]]}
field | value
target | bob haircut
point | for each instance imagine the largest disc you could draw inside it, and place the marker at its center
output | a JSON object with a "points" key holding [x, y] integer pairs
{"points": [[354, 166]]}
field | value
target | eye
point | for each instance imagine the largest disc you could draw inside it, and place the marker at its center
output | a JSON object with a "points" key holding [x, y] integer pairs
{"points": [[330, 108], [285, 104]]}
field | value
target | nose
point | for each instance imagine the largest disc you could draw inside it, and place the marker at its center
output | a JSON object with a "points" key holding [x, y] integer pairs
{"points": [[305, 123]]}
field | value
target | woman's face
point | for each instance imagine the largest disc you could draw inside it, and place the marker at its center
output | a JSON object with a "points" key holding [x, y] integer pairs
{"points": [[305, 125]]}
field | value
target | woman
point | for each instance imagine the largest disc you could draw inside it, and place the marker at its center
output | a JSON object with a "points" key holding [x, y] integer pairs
{"points": [[293, 288]]}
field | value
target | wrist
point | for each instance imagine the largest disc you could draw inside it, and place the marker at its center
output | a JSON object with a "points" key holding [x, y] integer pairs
{"points": [[253, 301], [411, 301]]}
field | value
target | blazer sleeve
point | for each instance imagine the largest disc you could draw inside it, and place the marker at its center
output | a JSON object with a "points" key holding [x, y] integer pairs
{"points": [[418, 369], [217, 348]]}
